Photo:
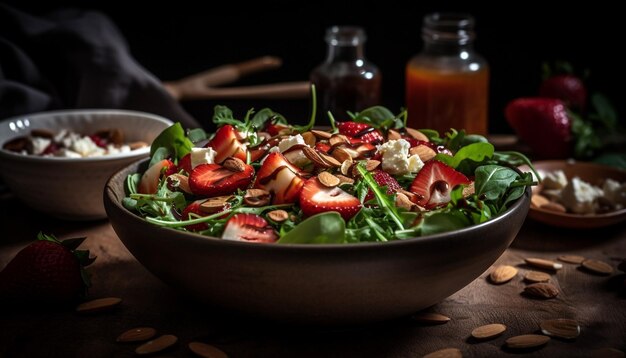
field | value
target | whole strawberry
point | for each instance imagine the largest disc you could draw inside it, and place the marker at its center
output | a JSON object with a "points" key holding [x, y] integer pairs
{"points": [[543, 124], [568, 88], [47, 270]]}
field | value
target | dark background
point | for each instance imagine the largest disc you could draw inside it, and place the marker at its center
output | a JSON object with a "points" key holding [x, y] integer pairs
{"points": [[180, 39]]}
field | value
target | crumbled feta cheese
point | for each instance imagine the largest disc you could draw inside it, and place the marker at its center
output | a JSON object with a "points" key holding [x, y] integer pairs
{"points": [[554, 180], [295, 157], [112, 149], [395, 158], [579, 196], [86, 147], [290, 142], [202, 156], [39, 144], [615, 192]]}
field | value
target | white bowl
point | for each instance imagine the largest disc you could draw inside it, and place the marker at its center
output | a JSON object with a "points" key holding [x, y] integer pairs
{"points": [[71, 188]]}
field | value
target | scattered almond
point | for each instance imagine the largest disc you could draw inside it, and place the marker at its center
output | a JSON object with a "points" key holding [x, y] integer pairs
{"points": [[536, 276], [538, 200], [527, 341], [430, 318], [137, 334], [393, 135], [278, 215], [309, 139], [98, 305], [214, 205], [256, 197], [423, 151], [371, 164], [321, 134], [328, 180], [502, 274], [555, 207], [417, 134], [234, 164], [179, 181], [542, 263], [560, 327], [488, 331], [157, 345], [341, 154], [206, 350], [338, 139], [542, 290], [599, 267], [344, 179], [445, 353], [571, 259], [345, 167], [607, 353]]}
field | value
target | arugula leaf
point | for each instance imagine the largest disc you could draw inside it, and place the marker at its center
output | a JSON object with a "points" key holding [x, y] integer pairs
{"points": [[385, 201], [223, 115], [492, 181], [323, 228], [173, 139]]}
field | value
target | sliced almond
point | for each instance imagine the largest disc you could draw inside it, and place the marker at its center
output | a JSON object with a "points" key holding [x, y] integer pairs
{"points": [[502, 274], [538, 200], [136, 145], [179, 181], [321, 134], [543, 263], [417, 134], [341, 154], [309, 139], [346, 166], [488, 331], [338, 139], [571, 259], [330, 161], [138, 334], [393, 135], [157, 345], [430, 318], [206, 350], [98, 305], [536, 276], [256, 197], [525, 341], [344, 179], [597, 266], [423, 151], [555, 207], [328, 180], [402, 201], [445, 353], [542, 290], [234, 164], [371, 164], [560, 327], [315, 157], [215, 204], [278, 215]]}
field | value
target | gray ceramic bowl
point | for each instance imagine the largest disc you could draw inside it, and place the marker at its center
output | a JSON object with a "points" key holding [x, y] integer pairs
{"points": [[314, 284]]}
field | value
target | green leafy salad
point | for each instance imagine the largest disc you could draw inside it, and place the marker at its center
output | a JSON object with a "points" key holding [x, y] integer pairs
{"points": [[368, 178]]}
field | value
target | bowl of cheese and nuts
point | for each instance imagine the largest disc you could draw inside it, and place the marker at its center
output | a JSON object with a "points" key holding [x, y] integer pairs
{"points": [[57, 162]]}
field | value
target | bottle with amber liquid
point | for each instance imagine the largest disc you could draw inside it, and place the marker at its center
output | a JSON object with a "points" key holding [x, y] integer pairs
{"points": [[346, 80], [447, 84]]}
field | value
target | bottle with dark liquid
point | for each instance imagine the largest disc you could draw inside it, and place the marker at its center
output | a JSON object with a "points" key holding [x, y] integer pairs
{"points": [[346, 80]]}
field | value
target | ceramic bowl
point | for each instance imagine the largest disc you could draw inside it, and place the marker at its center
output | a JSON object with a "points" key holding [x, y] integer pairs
{"points": [[71, 188], [314, 284], [590, 172]]}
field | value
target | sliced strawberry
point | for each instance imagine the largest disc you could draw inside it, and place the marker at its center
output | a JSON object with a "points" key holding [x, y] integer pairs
{"points": [[185, 163], [316, 198], [194, 208], [258, 153], [276, 129], [249, 227], [361, 131], [149, 182], [383, 178], [226, 144], [281, 178], [322, 147], [214, 179], [434, 182]]}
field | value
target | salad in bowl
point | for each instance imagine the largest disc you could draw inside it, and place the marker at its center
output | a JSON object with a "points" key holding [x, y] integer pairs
{"points": [[368, 178]]}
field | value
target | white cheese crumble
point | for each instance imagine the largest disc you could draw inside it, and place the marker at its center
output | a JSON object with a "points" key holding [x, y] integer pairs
{"points": [[579, 196], [202, 156], [396, 160], [554, 180], [296, 157], [615, 192], [39, 144]]}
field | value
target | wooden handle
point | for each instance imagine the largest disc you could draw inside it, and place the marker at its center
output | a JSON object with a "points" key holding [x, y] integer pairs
{"points": [[272, 91]]}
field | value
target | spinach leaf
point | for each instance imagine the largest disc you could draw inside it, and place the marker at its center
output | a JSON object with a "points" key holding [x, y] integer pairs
{"points": [[196, 135], [476, 152], [159, 154], [324, 228], [378, 117], [442, 222], [492, 181], [173, 139], [260, 119]]}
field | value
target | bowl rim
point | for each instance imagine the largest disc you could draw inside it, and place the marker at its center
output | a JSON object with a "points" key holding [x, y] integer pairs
{"points": [[109, 157], [109, 195]]}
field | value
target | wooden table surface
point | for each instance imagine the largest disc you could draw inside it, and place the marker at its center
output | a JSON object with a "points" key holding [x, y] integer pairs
{"points": [[598, 303]]}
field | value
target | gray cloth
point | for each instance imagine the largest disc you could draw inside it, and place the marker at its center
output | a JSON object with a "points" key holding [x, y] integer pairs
{"points": [[74, 59]]}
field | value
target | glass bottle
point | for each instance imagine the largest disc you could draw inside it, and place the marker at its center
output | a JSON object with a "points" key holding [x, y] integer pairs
{"points": [[447, 84], [346, 80]]}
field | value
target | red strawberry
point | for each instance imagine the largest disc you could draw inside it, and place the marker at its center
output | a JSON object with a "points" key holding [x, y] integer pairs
{"points": [[276, 129], [281, 178], [322, 147], [258, 153], [226, 144], [383, 178], [249, 227], [568, 88], [364, 132], [185, 163], [194, 208], [543, 124], [316, 198], [214, 179], [434, 182], [149, 182], [47, 271]]}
